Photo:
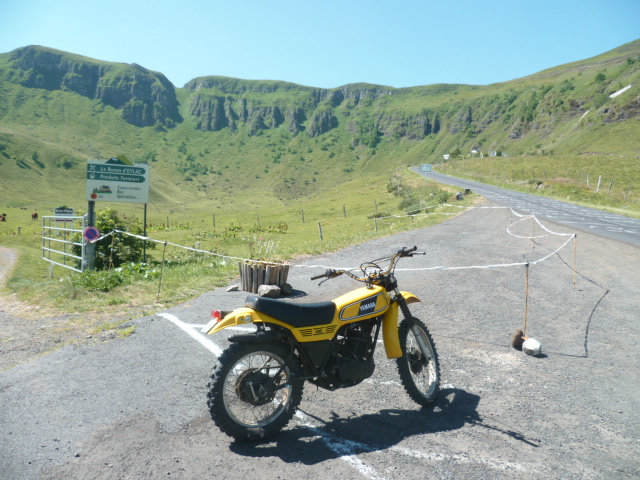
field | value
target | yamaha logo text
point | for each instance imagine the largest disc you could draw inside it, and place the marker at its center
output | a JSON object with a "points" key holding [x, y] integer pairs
{"points": [[368, 306]]}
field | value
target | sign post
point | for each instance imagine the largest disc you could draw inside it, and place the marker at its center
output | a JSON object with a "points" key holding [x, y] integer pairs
{"points": [[114, 180], [90, 248]]}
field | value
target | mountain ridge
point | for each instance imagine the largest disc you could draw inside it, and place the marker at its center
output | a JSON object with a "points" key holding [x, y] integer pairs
{"points": [[53, 103]]}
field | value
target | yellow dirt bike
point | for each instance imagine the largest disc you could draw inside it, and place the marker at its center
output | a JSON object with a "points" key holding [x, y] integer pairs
{"points": [[256, 385]]}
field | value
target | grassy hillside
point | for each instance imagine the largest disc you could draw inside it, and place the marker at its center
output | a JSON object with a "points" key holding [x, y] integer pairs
{"points": [[246, 144]]}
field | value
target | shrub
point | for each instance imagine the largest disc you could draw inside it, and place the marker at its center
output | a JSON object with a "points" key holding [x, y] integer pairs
{"points": [[114, 251]]}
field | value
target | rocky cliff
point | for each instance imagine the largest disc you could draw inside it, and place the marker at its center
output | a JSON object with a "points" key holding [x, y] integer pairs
{"points": [[146, 98], [600, 90]]}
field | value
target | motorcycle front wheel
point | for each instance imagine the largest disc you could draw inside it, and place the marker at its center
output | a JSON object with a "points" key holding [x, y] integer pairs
{"points": [[419, 371], [252, 393]]}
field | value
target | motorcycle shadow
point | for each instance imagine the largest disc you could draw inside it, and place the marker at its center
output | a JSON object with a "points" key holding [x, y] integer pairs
{"points": [[315, 440]]}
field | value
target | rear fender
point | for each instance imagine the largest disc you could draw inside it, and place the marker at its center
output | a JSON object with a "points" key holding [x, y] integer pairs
{"points": [[240, 316], [390, 327]]}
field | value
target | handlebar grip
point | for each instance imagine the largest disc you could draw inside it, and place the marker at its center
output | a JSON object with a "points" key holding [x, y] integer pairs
{"points": [[407, 251], [318, 276]]}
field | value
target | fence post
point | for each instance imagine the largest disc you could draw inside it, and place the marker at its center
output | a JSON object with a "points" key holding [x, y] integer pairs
{"points": [[626, 197], [599, 181], [320, 228], [344, 209], [610, 187]]}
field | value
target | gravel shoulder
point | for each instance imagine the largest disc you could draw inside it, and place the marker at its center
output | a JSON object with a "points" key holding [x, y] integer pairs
{"points": [[570, 414]]}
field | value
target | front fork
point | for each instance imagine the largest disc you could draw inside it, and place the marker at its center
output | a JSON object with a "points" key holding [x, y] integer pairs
{"points": [[411, 321]]}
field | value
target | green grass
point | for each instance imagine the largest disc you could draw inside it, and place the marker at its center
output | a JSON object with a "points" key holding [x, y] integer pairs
{"points": [[275, 233]]}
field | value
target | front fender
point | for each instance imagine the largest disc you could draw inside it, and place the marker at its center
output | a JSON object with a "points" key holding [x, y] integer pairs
{"points": [[390, 327]]}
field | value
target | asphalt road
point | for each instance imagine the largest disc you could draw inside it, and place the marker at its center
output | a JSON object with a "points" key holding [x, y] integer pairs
{"points": [[608, 225], [136, 408]]}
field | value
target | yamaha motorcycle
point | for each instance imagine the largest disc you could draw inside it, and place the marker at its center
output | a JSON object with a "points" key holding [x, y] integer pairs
{"points": [[256, 384]]}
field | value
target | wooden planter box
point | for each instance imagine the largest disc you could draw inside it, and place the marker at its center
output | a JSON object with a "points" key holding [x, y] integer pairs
{"points": [[254, 274]]}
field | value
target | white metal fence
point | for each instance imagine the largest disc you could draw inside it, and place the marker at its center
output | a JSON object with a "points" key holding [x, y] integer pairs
{"points": [[59, 235]]}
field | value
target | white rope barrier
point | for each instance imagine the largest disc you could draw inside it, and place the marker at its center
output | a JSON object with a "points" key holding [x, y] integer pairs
{"points": [[521, 218]]}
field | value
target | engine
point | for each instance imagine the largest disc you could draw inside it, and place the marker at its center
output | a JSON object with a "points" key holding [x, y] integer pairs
{"points": [[354, 354]]}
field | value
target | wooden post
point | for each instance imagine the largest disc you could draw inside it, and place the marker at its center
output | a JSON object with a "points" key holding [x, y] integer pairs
{"points": [[344, 209], [268, 275], [376, 224], [302, 212], [214, 220], [610, 187], [260, 275], [320, 228], [598, 187]]}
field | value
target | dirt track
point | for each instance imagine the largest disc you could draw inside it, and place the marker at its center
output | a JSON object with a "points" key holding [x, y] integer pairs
{"points": [[570, 414]]}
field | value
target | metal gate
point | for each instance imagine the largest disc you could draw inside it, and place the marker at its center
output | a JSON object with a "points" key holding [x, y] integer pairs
{"points": [[59, 236]]}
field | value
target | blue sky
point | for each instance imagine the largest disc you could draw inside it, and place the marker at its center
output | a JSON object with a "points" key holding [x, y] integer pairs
{"points": [[328, 43]]}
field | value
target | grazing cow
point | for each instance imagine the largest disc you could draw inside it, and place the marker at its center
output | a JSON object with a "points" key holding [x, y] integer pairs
{"points": [[34, 216]]}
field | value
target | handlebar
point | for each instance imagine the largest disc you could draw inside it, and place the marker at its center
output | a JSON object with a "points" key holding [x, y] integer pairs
{"points": [[403, 252]]}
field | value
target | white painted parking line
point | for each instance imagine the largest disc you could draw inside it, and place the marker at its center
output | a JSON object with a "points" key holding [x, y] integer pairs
{"points": [[189, 330], [346, 449]]}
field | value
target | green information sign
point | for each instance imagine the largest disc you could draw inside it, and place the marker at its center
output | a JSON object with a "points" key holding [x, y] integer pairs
{"points": [[116, 181]]}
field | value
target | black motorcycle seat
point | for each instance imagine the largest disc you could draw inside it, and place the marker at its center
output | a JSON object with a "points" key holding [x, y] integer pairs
{"points": [[295, 314]]}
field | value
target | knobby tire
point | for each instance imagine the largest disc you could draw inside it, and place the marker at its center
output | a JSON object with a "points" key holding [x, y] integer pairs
{"points": [[241, 370], [420, 376]]}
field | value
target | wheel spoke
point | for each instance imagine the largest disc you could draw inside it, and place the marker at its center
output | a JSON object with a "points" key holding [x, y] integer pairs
{"points": [[418, 368], [256, 376]]}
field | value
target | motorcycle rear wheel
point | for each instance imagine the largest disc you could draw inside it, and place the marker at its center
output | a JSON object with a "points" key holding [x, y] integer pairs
{"points": [[419, 374], [252, 393]]}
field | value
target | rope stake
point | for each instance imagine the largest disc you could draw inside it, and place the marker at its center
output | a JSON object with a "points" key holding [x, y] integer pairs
{"points": [[526, 300], [575, 258], [164, 250]]}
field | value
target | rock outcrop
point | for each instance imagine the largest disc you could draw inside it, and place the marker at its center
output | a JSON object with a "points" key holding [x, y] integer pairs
{"points": [[146, 98]]}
